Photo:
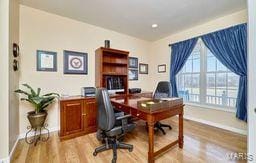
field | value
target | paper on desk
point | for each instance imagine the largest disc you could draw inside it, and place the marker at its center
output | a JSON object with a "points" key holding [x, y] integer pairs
{"points": [[169, 98]]}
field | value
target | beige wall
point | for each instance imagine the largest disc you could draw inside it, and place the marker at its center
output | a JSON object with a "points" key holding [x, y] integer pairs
{"points": [[13, 75], [160, 50], [45, 31], [4, 77]]}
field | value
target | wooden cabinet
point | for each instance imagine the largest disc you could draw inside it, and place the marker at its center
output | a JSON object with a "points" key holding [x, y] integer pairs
{"points": [[77, 117], [90, 115], [73, 121]]}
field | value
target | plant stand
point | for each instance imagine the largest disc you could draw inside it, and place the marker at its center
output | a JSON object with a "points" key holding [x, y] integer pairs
{"points": [[38, 136]]}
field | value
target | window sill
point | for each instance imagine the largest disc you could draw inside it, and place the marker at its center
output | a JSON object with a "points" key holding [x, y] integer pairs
{"points": [[221, 108]]}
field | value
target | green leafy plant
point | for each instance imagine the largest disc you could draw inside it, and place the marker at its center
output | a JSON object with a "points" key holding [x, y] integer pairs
{"points": [[40, 102]]}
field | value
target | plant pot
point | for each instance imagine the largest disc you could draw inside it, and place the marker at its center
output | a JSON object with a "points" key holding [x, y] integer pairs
{"points": [[37, 119]]}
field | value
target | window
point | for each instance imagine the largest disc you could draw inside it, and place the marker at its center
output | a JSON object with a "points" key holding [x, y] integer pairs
{"points": [[204, 80]]}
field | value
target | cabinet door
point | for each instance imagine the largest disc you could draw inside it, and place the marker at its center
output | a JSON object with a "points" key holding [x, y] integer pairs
{"points": [[90, 115], [73, 116]]}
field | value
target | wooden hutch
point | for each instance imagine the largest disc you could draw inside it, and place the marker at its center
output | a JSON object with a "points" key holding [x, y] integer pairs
{"points": [[111, 63]]}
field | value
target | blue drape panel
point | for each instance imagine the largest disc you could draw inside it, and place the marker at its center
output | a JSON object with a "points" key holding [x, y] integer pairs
{"points": [[229, 46], [179, 55]]}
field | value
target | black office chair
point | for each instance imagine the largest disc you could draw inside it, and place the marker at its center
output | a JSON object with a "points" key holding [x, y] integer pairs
{"points": [[108, 131], [163, 90]]}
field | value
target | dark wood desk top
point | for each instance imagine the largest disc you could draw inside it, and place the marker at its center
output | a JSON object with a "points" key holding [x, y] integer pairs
{"points": [[79, 97], [133, 101]]}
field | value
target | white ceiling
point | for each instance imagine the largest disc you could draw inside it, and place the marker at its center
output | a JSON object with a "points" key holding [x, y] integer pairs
{"points": [[135, 17]]}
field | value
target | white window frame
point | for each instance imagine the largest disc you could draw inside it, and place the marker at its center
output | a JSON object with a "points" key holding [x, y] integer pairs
{"points": [[203, 84]]}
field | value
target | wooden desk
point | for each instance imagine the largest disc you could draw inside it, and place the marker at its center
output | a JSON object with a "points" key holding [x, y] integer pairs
{"points": [[128, 104]]}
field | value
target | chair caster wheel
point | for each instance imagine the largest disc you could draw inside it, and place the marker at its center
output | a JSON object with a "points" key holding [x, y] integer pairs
{"points": [[94, 153], [170, 128], [130, 149]]}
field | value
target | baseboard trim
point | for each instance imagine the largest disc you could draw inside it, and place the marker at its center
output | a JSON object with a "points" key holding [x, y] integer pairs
{"points": [[232, 129], [52, 129], [13, 148]]}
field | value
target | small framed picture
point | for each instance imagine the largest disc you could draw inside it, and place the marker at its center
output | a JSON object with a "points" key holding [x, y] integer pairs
{"points": [[46, 60], [162, 68], [133, 62], [133, 74], [143, 68], [75, 62]]}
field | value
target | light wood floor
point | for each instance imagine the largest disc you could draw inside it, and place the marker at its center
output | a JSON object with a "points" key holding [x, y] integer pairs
{"points": [[202, 143]]}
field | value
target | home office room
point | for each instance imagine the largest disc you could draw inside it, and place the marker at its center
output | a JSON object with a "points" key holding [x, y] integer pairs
{"points": [[135, 81]]}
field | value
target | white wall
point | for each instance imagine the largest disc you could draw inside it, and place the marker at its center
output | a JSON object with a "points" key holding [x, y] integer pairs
{"points": [[251, 80], [160, 54], [45, 31], [13, 75], [9, 119], [4, 77]]}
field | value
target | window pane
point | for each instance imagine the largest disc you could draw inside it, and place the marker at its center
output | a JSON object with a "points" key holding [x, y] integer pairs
{"points": [[233, 80], [221, 80], [187, 81], [232, 95], [188, 66], [220, 66], [221, 85], [232, 92], [209, 54], [210, 91], [195, 92], [211, 64], [196, 65], [221, 97], [196, 55], [210, 80], [180, 80]]}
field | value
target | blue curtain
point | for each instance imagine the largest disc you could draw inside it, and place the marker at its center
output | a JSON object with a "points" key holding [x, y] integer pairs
{"points": [[229, 46], [179, 55]]}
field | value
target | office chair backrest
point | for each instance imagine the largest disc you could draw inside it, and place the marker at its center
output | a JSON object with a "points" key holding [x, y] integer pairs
{"points": [[163, 90], [106, 116]]}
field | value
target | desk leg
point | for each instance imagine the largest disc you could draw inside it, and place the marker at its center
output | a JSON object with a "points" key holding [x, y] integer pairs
{"points": [[151, 142], [181, 130]]}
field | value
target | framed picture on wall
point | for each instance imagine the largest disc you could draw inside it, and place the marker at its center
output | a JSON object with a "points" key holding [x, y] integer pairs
{"points": [[75, 62], [143, 68], [162, 68], [133, 62], [46, 60], [133, 74]]}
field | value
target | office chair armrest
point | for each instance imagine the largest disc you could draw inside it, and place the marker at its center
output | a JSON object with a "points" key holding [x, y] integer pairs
{"points": [[123, 117]]}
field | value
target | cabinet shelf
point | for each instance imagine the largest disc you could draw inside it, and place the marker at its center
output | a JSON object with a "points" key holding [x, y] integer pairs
{"points": [[115, 64], [114, 74]]}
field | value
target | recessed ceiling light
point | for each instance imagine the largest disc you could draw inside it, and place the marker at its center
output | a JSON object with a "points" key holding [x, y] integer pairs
{"points": [[154, 25]]}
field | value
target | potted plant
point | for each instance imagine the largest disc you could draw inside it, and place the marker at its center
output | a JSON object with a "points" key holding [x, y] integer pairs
{"points": [[39, 102]]}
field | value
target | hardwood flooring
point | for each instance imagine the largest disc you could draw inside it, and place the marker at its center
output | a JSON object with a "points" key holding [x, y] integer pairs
{"points": [[202, 143]]}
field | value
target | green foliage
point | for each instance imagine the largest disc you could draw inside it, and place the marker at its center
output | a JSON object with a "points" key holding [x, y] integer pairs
{"points": [[39, 102]]}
